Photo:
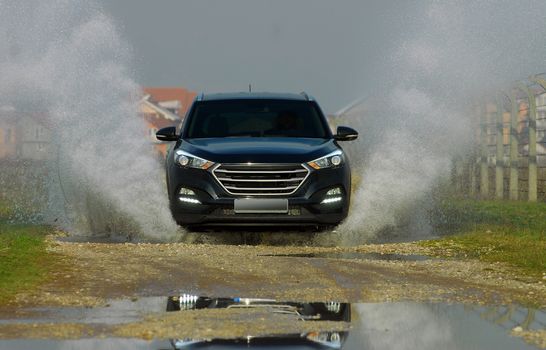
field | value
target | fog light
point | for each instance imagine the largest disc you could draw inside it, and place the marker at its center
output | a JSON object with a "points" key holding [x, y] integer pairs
{"points": [[188, 196], [189, 200], [334, 191], [333, 195], [186, 192], [331, 200]]}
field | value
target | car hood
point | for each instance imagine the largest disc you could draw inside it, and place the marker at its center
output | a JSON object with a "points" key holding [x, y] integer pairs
{"points": [[259, 150]]}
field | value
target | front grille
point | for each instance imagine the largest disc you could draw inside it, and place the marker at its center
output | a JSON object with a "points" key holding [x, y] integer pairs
{"points": [[261, 179]]}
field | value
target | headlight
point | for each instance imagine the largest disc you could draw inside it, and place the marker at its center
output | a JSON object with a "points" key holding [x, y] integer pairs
{"points": [[331, 160], [186, 159]]}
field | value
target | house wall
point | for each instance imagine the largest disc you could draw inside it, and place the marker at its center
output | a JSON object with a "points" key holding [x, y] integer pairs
{"points": [[22, 137], [154, 122], [34, 140], [8, 138]]}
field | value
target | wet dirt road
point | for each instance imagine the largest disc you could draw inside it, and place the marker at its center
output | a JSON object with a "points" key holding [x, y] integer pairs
{"points": [[120, 292]]}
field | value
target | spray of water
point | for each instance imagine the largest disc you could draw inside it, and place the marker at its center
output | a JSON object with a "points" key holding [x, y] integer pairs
{"points": [[421, 117], [63, 63]]}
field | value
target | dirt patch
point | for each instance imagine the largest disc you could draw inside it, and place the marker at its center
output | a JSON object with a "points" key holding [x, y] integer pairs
{"points": [[45, 331], [101, 271]]}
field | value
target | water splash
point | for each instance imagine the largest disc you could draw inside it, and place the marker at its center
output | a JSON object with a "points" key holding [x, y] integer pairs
{"points": [[454, 54], [64, 64]]}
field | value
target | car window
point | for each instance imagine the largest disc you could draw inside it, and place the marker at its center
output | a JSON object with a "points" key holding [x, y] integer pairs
{"points": [[256, 118]]}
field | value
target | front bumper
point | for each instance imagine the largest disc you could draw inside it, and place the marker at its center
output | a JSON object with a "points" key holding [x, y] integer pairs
{"points": [[216, 207]]}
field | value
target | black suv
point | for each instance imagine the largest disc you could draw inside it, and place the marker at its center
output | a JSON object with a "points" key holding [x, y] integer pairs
{"points": [[257, 159]]}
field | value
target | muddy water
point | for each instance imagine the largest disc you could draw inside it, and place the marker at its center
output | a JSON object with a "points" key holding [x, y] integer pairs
{"points": [[268, 323]]}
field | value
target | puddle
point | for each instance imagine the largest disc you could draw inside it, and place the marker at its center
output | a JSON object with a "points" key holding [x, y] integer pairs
{"points": [[356, 256], [114, 312], [329, 325], [85, 344], [299, 312]]}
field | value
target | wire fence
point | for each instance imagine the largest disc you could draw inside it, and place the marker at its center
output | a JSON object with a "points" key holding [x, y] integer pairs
{"points": [[509, 157]]}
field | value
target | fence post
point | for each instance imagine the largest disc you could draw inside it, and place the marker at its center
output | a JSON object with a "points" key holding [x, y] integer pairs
{"points": [[529, 319], [514, 147], [533, 134], [472, 174], [499, 164], [475, 157], [484, 152], [532, 164]]}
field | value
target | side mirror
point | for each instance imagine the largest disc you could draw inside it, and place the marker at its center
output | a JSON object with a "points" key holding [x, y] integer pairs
{"points": [[167, 134], [345, 133]]}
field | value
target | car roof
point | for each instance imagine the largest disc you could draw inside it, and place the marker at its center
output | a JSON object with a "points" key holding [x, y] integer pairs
{"points": [[254, 95]]}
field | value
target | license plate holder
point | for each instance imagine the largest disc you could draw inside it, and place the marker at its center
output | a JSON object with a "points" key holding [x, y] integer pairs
{"points": [[261, 206]]}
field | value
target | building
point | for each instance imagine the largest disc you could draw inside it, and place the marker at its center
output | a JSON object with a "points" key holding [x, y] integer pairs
{"points": [[176, 100], [34, 138], [7, 133], [24, 135], [157, 117], [162, 107]]}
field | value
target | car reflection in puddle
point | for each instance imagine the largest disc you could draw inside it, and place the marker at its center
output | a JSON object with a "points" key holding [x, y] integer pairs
{"points": [[266, 323], [310, 312], [405, 325]]}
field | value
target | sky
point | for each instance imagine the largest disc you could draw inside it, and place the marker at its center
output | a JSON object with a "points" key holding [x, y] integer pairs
{"points": [[330, 49]]}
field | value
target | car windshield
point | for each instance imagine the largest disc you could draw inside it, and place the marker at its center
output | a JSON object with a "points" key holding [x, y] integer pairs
{"points": [[256, 118]]}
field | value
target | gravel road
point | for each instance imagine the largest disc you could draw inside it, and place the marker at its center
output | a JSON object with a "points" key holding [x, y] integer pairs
{"points": [[91, 275]]}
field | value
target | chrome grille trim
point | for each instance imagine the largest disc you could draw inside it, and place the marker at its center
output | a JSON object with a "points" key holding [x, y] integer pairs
{"points": [[241, 179], [261, 189], [261, 171], [262, 180]]}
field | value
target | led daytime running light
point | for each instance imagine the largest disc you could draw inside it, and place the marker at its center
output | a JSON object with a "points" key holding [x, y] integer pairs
{"points": [[189, 200], [332, 200]]}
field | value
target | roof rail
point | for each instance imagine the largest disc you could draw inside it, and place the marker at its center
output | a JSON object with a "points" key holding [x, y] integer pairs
{"points": [[304, 94], [201, 96]]}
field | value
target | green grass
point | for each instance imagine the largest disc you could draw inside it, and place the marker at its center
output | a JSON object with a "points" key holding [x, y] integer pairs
{"points": [[509, 232], [24, 261], [5, 210]]}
